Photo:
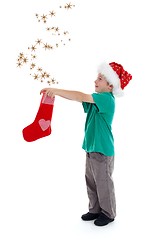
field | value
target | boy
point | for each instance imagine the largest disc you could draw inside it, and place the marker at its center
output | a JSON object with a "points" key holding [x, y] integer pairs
{"points": [[98, 141]]}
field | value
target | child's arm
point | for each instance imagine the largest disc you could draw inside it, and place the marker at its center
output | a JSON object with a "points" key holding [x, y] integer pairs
{"points": [[71, 95]]}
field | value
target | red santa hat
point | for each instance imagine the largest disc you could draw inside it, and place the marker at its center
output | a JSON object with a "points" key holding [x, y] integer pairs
{"points": [[115, 75]]}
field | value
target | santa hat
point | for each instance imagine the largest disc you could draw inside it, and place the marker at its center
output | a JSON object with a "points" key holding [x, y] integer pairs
{"points": [[115, 75]]}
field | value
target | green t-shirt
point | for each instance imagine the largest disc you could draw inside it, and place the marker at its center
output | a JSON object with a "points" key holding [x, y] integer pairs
{"points": [[98, 132]]}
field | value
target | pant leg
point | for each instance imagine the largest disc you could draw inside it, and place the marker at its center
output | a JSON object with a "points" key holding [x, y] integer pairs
{"points": [[102, 167], [94, 206]]}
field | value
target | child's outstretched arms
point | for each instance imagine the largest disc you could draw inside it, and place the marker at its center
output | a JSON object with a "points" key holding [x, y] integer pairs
{"points": [[68, 94]]}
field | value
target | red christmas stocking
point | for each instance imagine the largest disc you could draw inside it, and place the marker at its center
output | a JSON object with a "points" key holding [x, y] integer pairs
{"points": [[41, 127]]}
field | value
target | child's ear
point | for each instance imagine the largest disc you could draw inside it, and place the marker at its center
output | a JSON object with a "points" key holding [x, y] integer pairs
{"points": [[111, 87]]}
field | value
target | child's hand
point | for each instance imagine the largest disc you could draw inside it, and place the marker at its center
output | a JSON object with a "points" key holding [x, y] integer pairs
{"points": [[51, 92]]}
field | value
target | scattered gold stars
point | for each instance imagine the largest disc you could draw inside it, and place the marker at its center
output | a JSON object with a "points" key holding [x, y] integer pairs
{"points": [[60, 38], [54, 30], [22, 59], [43, 75], [48, 46]]}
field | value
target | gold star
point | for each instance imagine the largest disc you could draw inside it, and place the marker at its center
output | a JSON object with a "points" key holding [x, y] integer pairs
{"points": [[44, 17], [33, 48], [38, 41], [25, 60], [68, 5], [20, 59], [52, 13], [56, 29], [66, 32], [19, 64], [32, 65], [43, 75], [39, 69], [33, 56], [21, 55], [35, 76], [46, 46], [53, 80], [50, 47], [47, 75]]}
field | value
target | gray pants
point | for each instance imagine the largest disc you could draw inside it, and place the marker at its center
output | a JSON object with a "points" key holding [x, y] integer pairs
{"points": [[100, 187]]}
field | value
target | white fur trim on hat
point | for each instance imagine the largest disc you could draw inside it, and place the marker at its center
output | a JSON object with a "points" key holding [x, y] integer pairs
{"points": [[112, 78]]}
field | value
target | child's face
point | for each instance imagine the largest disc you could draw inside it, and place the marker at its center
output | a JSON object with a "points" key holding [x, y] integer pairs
{"points": [[101, 84]]}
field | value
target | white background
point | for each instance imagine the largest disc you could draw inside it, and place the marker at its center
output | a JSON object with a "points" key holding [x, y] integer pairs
{"points": [[42, 185]]}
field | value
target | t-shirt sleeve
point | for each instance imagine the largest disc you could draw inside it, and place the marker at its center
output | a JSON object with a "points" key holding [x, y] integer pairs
{"points": [[86, 106], [102, 101]]}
